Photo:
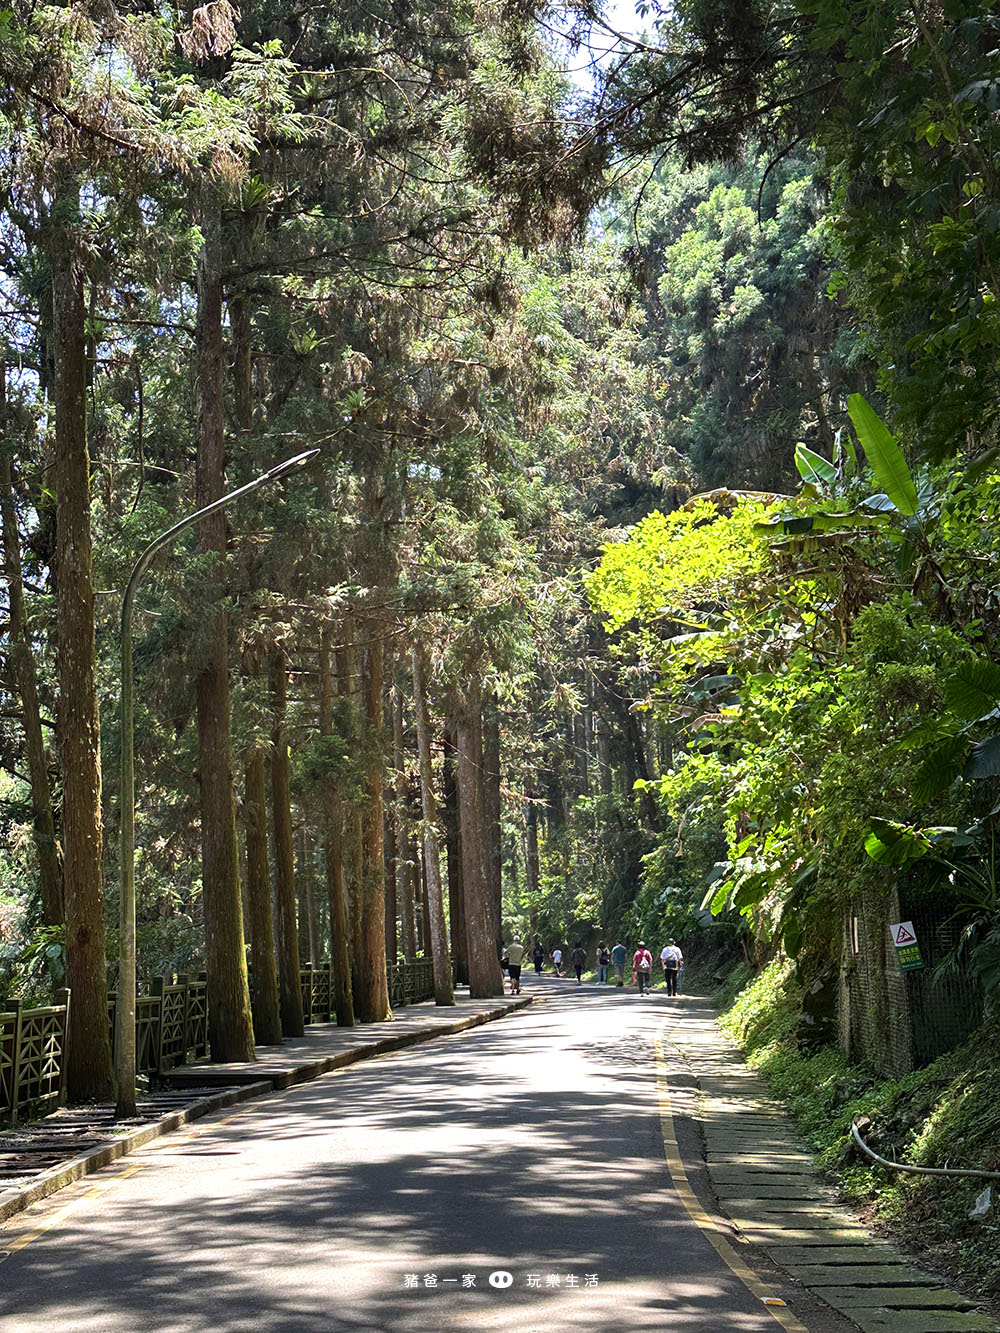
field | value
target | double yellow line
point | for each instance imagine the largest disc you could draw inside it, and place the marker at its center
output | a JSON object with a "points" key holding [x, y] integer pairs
{"points": [[708, 1225]]}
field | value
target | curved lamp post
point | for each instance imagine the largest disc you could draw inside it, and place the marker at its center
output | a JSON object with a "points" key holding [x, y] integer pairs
{"points": [[125, 1025]]}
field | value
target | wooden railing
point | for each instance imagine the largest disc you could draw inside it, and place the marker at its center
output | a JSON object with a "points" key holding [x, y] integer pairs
{"points": [[410, 982], [32, 1067], [171, 1029], [171, 1023]]}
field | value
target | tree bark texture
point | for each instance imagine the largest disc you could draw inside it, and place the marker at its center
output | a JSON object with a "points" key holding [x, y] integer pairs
{"points": [[391, 925], [531, 867], [89, 1068], [308, 952], [289, 989], [264, 981], [230, 1022], [24, 682], [492, 813], [444, 993], [333, 852], [372, 993], [453, 845], [351, 851], [485, 976], [404, 877]]}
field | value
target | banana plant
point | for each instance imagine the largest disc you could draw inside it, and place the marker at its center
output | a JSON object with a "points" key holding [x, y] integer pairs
{"points": [[957, 747], [909, 506]]}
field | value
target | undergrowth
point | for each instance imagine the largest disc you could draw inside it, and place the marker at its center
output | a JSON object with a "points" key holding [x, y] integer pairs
{"points": [[946, 1114]]}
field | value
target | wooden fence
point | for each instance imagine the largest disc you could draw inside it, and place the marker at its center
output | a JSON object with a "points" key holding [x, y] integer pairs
{"points": [[171, 1023], [32, 1067], [410, 982]]}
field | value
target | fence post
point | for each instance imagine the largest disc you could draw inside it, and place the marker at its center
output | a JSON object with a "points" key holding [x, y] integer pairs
{"points": [[306, 974], [156, 985], [186, 1030], [14, 1007], [62, 998]]}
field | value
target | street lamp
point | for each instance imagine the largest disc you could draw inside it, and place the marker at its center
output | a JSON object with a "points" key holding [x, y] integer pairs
{"points": [[125, 1026]]}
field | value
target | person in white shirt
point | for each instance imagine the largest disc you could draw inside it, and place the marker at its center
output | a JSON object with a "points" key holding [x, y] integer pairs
{"points": [[672, 960], [557, 960]]}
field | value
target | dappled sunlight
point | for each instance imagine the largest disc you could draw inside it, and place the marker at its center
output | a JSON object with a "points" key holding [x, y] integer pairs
{"points": [[531, 1146]]}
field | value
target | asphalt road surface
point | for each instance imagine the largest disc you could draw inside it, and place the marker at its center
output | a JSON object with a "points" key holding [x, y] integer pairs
{"points": [[386, 1195]]}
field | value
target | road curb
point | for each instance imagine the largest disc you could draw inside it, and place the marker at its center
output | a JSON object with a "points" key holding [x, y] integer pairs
{"points": [[58, 1177]]}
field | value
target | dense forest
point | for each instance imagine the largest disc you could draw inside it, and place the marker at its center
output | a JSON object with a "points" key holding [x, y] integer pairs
{"points": [[642, 574]]}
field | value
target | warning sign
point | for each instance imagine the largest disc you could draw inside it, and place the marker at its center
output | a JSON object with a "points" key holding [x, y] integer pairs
{"points": [[904, 937]]}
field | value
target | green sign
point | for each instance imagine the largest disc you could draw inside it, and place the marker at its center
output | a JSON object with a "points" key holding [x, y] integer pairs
{"points": [[909, 957]]}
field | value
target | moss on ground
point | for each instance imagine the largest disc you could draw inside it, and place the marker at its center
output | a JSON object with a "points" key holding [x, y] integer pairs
{"points": [[946, 1114]]}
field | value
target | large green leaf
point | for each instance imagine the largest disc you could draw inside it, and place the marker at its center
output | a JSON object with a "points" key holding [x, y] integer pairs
{"points": [[942, 766], [974, 689], [814, 467], [984, 760], [884, 455], [893, 844]]}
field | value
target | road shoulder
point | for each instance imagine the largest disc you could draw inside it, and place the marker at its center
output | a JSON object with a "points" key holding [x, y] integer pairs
{"points": [[766, 1181]]}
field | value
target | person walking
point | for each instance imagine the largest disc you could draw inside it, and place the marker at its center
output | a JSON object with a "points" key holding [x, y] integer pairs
{"points": [[515, 956], [603, 963], [538, 957], [557, 960], [672, 960], [579, 960], [642, 966], [618, 956]]}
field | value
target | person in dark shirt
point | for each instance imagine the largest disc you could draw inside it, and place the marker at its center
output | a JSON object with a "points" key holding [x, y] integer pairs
{"points": [[538, 957], [579, 959], [619, 956], [603, 962]]}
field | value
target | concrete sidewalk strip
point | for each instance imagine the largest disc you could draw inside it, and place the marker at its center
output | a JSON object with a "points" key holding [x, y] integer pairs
{"points": [[324, 1047], [767, 1182], [921, 1321]]}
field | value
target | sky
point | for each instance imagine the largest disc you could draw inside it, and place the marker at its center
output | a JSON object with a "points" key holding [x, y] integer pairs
{"points": [[621, 16]]}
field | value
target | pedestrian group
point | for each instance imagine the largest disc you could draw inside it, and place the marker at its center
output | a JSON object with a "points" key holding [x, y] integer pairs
{"points": [[671, 961]]}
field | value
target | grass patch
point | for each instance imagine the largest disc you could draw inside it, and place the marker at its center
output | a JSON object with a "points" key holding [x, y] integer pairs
{"points": [[946, 1114]]}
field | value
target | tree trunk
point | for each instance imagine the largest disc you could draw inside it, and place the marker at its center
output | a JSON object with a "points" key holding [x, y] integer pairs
{"points": [[304, 893], [372, 995], [391, 926], [264, 987], [289, 989], [230, 1023], [420, 888], [24, 682], [89, 1069], [492, 813], [531, 868], [351, 851], [485, 976], [333, 849], [444, 992], [404, 877], [453, 844]]}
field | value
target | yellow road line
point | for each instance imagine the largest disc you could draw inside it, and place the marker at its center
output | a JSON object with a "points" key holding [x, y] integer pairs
{"points": [[709, 1227], [20, 1242], [7, 1248]]}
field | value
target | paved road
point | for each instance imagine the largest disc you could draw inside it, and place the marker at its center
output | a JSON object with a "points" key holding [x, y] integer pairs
{"points": [[532, 1146]]}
